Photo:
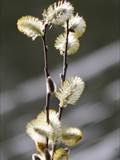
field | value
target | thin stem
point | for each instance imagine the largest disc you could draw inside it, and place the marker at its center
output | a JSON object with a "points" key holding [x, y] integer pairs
{"points": [[45, 53], [47, 107], [60, 112], [65, 64], [53, 151], [63, 75], [46, 74], [46, 77], [47, 155]]}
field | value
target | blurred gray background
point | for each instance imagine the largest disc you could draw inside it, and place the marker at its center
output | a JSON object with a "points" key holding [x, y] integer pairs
{"points": [[22, 87]]}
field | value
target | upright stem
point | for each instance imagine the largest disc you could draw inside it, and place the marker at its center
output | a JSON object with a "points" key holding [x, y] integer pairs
{"points": [[46, 77], [65, 64], [53, 150], [60, 113], [45, 53], [63, 75]]}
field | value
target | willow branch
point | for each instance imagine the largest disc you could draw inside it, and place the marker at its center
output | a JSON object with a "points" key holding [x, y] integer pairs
{"points": [[53, 150], [46, 77], [65, 64], [63, 75], [45, 53]]}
